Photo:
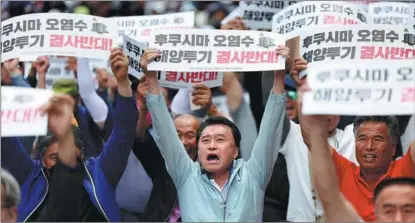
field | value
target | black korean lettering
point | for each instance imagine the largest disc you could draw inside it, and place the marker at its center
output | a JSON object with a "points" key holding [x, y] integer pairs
{"points": [[202, 40], [330, 37], [333, 52], [280, 30], [160, 39], [313, 19], [342, 94], [308, 56], [409, 38], [307, 41], [190, 55], [137, 50], [346, 36], [341, 74], [379, 75], [274, 4], [325, 7], [323, 94], [279, 19], [131, 32], [164, 56], [364, 36], [361, 17], [234, 41], [320, 54], [33, 25], [8, 45], [350, 51], [387, 9], [258, 16], [258, 3], [175, 56], [20, 26], [22, 41], [323, 76], [52, 24], [247, 41], [248, 15], [348, 11], [206, 55], [319, 37], [154, 22], [67, 24], [143, 22], [130, 62], [378, 36], [299, 11], [406, 74], [269, 15], [137, 65], [220, 40], [289, 27], [6, 29], [300, 23], [189, 41], [385, 93], [175, 39], [80, 25], [129, 46], [363, 94], [288, 14], [38, 39], [337, 8]]}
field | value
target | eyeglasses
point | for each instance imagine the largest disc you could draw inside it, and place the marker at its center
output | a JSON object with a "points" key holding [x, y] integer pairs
{"points": [[292, 95]]}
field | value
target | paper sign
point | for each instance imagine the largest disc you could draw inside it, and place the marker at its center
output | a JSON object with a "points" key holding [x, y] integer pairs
{"points": [[64, 34], [134, 50], [140, 27], [20, 115], [179, 80], [216, 50], [291, 20], [257, 15], [192, 105], [57, 70], [235, 13], [375, 88], [392, 13]]}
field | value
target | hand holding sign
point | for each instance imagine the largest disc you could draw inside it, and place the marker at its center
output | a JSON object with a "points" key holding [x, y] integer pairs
{"points": [[12, 66], [148, 56], [300, 64], [42, 65], [285, 52], [202, 95], [119, 64], [59, 110]]}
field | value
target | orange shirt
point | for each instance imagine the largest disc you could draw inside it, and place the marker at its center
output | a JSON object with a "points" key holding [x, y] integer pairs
{"points": [[357, 191]]}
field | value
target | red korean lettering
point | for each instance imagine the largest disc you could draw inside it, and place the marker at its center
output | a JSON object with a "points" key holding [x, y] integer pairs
{"points": [[328, 19], [408, 94], [171, 76], [56, 40], [367, 52], [223, 57]]}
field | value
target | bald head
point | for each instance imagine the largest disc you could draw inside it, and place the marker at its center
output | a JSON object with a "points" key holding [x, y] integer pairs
{"points": [[186, 127]]}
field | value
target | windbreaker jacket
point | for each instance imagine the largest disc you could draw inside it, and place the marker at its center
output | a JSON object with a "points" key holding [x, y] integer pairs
{"points": [[102, 172], [199, 199]]}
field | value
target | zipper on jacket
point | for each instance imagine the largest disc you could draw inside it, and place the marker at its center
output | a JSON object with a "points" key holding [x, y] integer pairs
{"points": [[168, 216], [47, 190], [95, 193]]}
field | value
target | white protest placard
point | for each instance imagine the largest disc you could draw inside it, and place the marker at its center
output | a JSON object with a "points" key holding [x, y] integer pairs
{"points": [[134, 50], [216, 50], [376, 88], [392, 13], [63, 34], [291, 20], [57, 70], [257, 15], [179, 80], [235, 13], [20, 115], [140, 27], [362, 4]]}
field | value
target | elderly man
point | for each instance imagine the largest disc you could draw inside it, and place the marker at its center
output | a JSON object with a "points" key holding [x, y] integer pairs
{"points": [[10, 197]]}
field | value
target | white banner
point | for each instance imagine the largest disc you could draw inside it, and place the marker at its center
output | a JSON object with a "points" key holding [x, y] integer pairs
{"points": [[140, 27], [134, 50], [376, 88], [216, 50], [392, 13], [308, 14], [20, 115], [257, 15], [178, 80], [63, 34], [338, 44]]}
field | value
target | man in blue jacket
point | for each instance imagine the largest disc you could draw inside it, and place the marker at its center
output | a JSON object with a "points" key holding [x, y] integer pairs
{"points": [[101, 173]]}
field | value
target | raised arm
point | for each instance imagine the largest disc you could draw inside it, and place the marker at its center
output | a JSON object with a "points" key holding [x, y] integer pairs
{"points": [[202, 95], [114, 156], [336, 207], [16, 74], [178, 163], [268, 143], [41, 65]]}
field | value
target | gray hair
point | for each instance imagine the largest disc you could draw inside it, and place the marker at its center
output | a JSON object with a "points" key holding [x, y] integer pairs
{"points": [[12, 190]]}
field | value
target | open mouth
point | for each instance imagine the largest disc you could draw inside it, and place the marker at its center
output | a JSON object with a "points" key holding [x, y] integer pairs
{"points": [[369, 157], [212, 158]]}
